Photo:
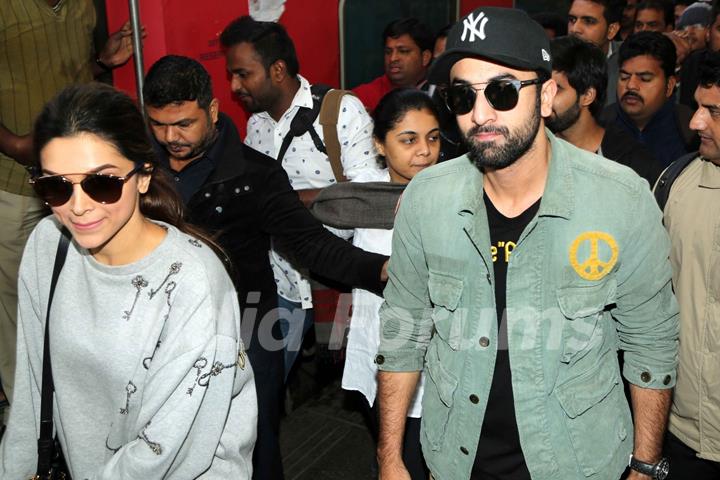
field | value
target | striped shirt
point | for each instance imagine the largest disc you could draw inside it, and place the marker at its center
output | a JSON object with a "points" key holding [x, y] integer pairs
{"points": [[41, 52]]}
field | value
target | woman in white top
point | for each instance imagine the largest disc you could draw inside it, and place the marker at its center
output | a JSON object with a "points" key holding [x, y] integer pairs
{"points": [[151, 379], [407, 138]]}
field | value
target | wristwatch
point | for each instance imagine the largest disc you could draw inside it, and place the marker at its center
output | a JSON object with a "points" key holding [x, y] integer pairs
{"points": [[659, 470]]}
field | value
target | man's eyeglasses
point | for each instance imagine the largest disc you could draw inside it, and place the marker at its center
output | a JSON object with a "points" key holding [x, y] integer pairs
{"points": [[502, 95], [56, 190]]}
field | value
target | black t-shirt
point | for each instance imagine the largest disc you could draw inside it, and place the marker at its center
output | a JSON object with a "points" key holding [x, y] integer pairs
{"points": [[499, 455]]}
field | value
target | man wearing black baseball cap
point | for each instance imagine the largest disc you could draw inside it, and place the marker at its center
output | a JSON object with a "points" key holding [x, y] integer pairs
{"points": [[517, 272]]}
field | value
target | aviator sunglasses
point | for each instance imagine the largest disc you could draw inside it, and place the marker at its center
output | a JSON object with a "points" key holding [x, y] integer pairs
{"points": [[502, 94], [56, 190]]}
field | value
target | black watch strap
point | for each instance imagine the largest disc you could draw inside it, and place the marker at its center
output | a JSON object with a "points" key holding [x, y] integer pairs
{"points": [[657, 470]]}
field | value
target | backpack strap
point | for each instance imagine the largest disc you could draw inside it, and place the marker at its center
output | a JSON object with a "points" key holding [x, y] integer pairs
{"points": [[668, 177], [329, 113]]}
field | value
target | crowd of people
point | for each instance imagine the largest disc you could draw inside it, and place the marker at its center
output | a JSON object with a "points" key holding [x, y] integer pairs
{"points": [[525, 208]]}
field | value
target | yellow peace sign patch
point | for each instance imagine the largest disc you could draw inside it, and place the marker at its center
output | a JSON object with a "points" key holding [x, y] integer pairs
{"points": [[594, 266]]}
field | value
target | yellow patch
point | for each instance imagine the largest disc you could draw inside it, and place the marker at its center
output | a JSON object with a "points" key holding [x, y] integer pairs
{"points": [[593, 267]]}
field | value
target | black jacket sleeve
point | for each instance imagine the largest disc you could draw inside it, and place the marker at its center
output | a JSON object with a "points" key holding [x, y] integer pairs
{"points": [[299, 235]]}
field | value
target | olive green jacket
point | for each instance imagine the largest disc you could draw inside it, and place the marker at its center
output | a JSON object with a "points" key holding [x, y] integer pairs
{"points": [[589, 276]]}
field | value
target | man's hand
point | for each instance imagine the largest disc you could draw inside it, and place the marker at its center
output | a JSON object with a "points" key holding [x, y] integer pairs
{"points": [[119, 48], [383, 272], [17, 147], [393, 471], [637, 476], [682, 45]]}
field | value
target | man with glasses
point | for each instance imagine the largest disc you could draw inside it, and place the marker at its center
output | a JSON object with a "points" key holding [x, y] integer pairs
{"points": [[517, 272]]}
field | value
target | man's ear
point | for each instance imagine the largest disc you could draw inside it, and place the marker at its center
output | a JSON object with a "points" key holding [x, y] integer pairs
{"points": [[613, 30], [214, 110], [426, 57], [587, 98], [547, 96], [670, 87], [278, 71]]}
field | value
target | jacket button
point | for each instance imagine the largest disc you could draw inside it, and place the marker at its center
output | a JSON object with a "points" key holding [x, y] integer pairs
{"points": [[474, 398], [379, 359], [666, 380], [645, 377], [484, 342], [464, 450]]}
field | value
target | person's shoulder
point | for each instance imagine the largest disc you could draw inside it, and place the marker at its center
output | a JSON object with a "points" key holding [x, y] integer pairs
{"points": [[351, 101], [596, 175], [456, 167], [198, 261]]}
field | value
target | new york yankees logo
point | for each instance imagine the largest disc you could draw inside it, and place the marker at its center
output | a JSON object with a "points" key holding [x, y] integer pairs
{"points": [[470, 25]]}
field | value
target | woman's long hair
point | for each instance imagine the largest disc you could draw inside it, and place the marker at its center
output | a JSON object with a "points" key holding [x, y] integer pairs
{"points": [[103, 111]]}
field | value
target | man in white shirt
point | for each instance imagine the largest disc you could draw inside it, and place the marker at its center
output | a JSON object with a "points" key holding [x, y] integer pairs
{"points": [[264, 70]]}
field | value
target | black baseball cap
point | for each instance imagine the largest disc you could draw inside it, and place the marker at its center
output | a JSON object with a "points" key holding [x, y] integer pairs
{"points": [[503, 35]]}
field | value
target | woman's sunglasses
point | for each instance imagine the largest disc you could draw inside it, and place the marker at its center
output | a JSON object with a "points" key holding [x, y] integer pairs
{"points": [[56, 190], [502, 95]]}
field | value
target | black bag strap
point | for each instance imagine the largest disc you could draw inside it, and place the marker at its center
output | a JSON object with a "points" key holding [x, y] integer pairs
{"points": [[46, 442], [668, 177], [303, 121]]}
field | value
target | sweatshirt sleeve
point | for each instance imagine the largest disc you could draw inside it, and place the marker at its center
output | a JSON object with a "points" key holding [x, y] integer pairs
{"points": [[18, 451], [199, 383]]}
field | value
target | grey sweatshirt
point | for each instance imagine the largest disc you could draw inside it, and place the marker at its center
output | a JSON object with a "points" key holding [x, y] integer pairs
{"points": [[151, 377]]}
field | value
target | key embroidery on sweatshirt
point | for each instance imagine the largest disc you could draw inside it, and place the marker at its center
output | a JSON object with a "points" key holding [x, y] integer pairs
{"points": [[139, 283], [154, 446], [174, 269], [199, 364], [130, 389], [146, 361]]}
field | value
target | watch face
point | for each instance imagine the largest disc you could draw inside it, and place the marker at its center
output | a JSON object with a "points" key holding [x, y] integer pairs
{"points": [[662, 469]]}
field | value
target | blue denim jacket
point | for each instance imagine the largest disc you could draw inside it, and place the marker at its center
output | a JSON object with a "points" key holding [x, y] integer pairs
{"points": [[589, 276]]}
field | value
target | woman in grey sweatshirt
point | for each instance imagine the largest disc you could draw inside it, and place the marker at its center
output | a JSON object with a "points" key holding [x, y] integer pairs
{"points": [[151, 379]]}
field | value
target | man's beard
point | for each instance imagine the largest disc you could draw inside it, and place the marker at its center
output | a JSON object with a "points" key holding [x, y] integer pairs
{"points": [[562, 121], [487, 155], [199, 148]]}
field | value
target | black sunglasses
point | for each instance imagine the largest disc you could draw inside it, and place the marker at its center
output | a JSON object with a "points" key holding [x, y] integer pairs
{"points": [[502, 95], [56, 190]]}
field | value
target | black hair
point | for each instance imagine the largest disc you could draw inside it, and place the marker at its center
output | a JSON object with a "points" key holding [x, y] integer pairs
{"points": [[101, 110], [612, 9], [174, 79], [418, 31], [714, 13], [269, 39], [585, 66], [392, 109], [654, 44], [709, 72], [552, 21], [444, 31], [663, 6]]}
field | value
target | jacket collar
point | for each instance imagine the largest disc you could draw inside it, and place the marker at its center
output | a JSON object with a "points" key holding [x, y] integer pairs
{"points": [[559, 194]]}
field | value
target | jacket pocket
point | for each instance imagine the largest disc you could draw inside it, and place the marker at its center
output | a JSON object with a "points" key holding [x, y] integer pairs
{"points": [[437, 399], [445, 293], [582, 306], [595, 409]]}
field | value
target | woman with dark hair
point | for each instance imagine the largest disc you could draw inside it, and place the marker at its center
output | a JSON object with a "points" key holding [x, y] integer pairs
{"points": [[149, 371], [407, 137]]}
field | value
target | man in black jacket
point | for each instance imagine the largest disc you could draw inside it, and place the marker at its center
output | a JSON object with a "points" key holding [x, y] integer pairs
{"points": [[579, 69], [245, 198]]}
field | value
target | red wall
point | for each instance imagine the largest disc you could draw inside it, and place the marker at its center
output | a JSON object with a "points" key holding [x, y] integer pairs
{"points": [[192, 28], [467, 6]]}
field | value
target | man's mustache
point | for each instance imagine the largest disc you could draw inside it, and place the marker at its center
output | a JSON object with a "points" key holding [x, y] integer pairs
{"points": [[477, 129], [633, 95]]}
